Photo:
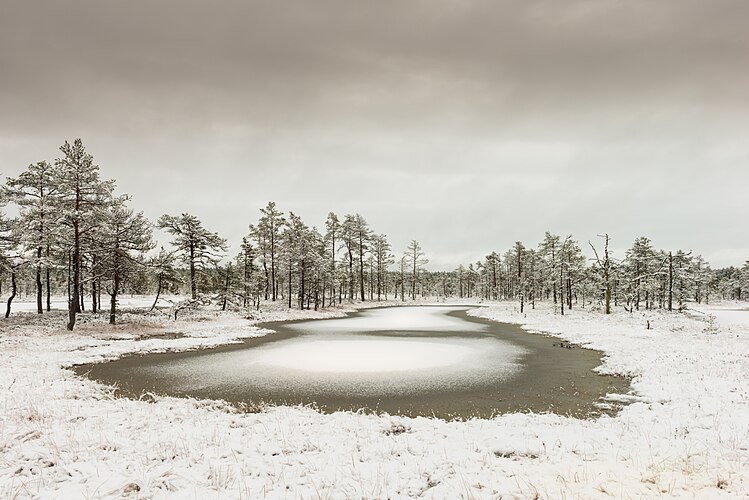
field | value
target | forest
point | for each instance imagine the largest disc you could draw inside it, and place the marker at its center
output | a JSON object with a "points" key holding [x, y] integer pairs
{"points": [[66, 231]]}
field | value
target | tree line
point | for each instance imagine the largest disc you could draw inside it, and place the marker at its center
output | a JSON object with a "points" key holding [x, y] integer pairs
{"points": [[72, 234], [557, 270]]}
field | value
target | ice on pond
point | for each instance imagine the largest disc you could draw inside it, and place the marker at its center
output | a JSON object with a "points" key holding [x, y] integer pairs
{"points": [[418, 360], [380, 352], [393, 319], [364, 356]]}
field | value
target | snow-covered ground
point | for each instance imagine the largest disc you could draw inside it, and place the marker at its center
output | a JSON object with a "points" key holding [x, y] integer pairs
{"points": [[27, 303], [686, 433], [727, 314]]}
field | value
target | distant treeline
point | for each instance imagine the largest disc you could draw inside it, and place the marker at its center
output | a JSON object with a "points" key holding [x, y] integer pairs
{"points": [[74, 235]]}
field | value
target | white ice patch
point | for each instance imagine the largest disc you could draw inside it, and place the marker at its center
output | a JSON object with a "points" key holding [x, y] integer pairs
{"points": [[394, 319], [727, 314], [364, 356]]}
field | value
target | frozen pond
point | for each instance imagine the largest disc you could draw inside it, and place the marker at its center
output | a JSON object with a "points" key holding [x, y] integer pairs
{"points": [[409, 360]]}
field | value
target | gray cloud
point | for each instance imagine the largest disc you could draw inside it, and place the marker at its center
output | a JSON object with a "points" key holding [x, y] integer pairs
{"points": [[466, 125]]}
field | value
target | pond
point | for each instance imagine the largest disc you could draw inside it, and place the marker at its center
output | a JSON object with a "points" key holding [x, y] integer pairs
{"points": [[421, 360]]}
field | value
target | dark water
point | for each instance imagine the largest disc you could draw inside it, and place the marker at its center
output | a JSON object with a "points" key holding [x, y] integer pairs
{"points": [[429, 361]]}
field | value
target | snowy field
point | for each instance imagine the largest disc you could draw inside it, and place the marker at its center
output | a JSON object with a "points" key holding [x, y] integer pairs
{"points": [[686, 433], [27, 303]]}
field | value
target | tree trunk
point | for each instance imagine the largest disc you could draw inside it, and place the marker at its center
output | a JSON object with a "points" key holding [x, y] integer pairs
{"points": [[289, 285], [350, 272], [332, 272], [246, 284], [606, 275], [115, 288], [302, 285], [193, 285], [113, 302], [158, 292], [413, 278], [74, 300], [49, 289], [403, 279], [274, 292], [226, 287], [39, 305], [267, 280], [13, 289], [361, 266], [93, 286], [561, 287], [670, 281]]}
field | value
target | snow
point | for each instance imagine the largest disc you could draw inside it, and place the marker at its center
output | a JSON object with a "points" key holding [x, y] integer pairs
{"points": [[327, 360], [351, 353], [27, 303], [400, 319], [357, 356], [727, 314], [685, 435]]}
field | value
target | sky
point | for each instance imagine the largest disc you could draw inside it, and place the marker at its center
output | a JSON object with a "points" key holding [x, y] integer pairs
{"points": [[466, 125]]}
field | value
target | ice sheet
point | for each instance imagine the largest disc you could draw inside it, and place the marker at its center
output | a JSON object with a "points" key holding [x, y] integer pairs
{"points": [[359, 356]]}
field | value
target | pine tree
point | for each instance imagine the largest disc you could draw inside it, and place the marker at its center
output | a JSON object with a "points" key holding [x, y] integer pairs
{"points": [[11, 254], [348, 236], [246, 266], [548, 251], [81, 200], [362, 235], [163, 266], [493, 270], [605, 267], [383, 259], [332, 230], [640, 266], [34, 191], [198, 247], [743, 281], [415, 255], [269, 228], [126, 235]]}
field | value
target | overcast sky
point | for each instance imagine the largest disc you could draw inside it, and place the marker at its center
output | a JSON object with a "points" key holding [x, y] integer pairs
{"points": [[467, 125]]}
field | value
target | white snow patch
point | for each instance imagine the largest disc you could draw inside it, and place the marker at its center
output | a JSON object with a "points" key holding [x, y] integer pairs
{"points": [[342, 356], [726, 314]]}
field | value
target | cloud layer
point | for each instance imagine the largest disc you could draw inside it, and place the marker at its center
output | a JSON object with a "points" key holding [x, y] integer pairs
{"points": [[464, 124]]}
